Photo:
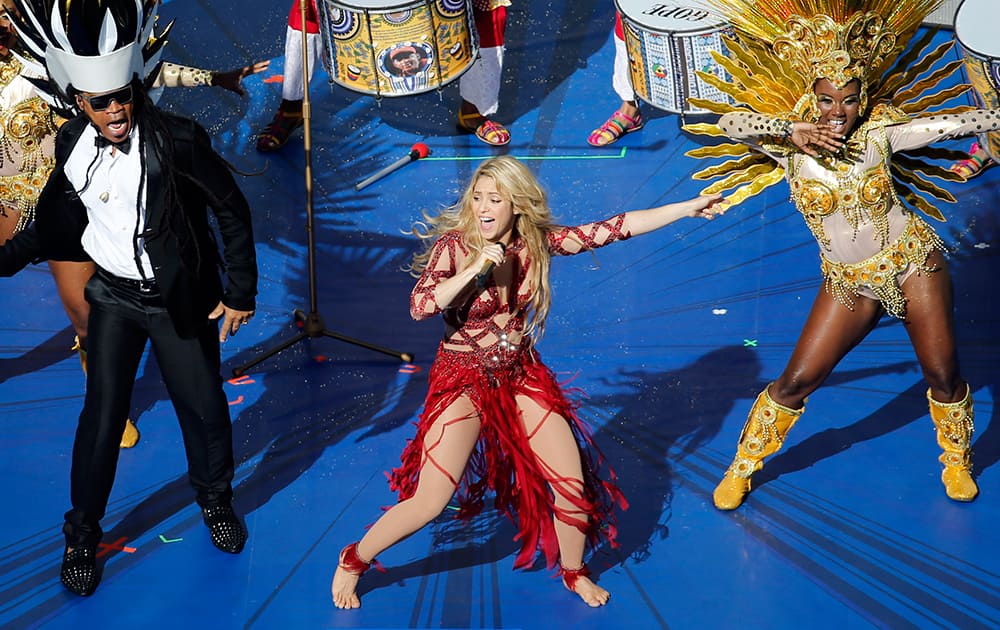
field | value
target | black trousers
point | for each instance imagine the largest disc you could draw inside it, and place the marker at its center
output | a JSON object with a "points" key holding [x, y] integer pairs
{"points": [[122, 319]]}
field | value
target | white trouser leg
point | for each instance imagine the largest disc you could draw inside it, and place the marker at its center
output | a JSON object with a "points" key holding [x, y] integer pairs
{"points": [[621, 80], [480, 85], [292, 87]]}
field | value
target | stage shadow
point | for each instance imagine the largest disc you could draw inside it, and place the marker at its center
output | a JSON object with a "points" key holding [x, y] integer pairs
{"points": [[654, 413], [306, 405], [658, 417], [663, 416], [51, 351]]}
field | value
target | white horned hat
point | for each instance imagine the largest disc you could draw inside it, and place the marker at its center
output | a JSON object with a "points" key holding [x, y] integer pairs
{"points": [[89, 45]]}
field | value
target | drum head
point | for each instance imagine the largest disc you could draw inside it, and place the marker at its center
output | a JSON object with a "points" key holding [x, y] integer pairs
{"points": [[976, 27], [682, 16]]}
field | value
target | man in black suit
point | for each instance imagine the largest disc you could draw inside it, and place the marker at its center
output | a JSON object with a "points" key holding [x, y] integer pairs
{"points": [[130, 191]]}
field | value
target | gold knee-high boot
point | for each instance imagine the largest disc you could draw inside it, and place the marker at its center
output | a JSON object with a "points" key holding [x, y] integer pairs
{"points": [[954, 424], [130, 436], [763, 434]]}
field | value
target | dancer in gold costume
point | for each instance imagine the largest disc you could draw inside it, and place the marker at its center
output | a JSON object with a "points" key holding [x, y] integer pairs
{"points": [[26, 137], [827, 101]]}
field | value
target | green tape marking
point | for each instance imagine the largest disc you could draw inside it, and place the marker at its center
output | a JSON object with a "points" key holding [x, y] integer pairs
{"points": [[469, 158]]}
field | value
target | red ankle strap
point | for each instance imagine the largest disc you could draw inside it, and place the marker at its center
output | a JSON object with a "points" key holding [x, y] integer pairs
{"points": [[351, 562], [570, 576]]}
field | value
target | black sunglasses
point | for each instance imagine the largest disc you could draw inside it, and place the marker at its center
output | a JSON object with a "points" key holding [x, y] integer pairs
{"points": [[100, 102]]}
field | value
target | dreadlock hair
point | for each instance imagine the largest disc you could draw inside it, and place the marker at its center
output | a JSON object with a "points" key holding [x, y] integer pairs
{"points": [[161, 145]]}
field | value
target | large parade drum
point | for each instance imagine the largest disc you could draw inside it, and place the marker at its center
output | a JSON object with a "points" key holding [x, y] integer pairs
{"points": [[397, 49], [943, 15], [667, 43], [976, 31]]}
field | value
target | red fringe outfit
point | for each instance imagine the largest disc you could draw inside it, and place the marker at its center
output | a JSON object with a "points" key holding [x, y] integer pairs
{"points": [[487, 359]]}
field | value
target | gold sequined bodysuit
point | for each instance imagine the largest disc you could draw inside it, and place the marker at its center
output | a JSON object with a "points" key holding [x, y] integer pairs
{"points": [[869, 242], [27, 137]]}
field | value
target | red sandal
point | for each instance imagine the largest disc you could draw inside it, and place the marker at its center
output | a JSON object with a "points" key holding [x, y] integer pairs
{"points": [[277, 132]]}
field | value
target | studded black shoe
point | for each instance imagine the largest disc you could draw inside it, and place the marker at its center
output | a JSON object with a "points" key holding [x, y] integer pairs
{"points": [[227, 531], [79, 571]]}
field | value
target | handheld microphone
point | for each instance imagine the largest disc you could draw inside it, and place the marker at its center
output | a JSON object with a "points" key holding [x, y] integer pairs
{"points": [[487, 269], [417, 151]]}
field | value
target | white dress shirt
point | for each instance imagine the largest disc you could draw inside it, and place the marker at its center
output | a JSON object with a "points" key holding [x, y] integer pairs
{"points": [[111, 200]]}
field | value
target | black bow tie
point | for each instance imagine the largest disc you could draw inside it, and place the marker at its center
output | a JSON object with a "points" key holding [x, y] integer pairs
{"points": [[100, 141]]}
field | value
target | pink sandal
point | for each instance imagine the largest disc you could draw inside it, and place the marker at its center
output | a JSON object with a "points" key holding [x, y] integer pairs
{"points": [[973, 165], [614, 128]]}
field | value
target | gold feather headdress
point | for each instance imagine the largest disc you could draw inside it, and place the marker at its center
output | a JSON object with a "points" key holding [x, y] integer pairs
{"points": [[784, 46]]}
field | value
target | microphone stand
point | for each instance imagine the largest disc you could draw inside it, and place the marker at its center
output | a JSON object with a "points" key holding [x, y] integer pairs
{"points": [[312, 322]]}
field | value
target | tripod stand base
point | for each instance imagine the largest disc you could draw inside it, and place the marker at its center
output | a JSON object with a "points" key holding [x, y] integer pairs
{"points": [[312, 326]]}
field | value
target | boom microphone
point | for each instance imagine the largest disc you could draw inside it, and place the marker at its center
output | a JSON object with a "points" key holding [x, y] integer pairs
{"points": [[487, 269], [417, 151]]}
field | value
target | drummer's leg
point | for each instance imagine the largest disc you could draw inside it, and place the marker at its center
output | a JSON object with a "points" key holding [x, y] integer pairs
{"points": [[288, 118], [292, 89], [627, 117], [621, 80], [480, 85]]}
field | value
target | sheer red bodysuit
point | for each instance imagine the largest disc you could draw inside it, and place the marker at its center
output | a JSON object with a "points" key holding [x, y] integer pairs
{"points": [[486, 357]]}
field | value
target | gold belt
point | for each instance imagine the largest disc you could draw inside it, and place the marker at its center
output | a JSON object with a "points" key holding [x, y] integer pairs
{"points": [[880, 273]]}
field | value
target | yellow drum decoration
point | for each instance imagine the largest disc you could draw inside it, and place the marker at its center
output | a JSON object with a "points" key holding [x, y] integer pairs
{"points": [[379, 48]]}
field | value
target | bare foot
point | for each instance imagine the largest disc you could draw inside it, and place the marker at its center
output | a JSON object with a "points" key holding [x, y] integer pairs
{"points": [[592, 594], [344, 588]]}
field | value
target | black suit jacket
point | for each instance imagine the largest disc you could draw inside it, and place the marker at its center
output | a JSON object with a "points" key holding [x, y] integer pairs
{"points": [[20, 251], [187, 270]]}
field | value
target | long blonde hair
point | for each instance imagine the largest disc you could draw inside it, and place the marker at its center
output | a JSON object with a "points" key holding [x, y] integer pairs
{"points": [[533, 222]]}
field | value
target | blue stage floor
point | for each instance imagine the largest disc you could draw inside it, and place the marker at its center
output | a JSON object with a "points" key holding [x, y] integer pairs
{"points": [[671, 335]]}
